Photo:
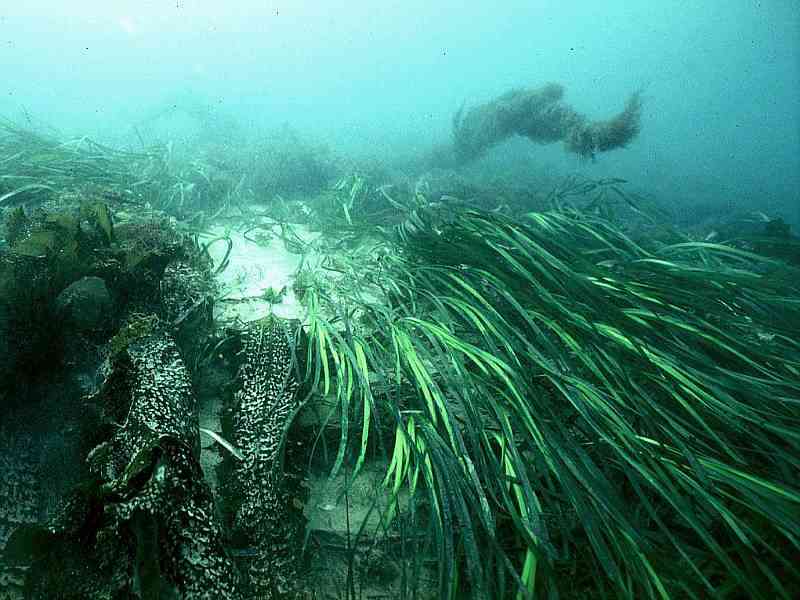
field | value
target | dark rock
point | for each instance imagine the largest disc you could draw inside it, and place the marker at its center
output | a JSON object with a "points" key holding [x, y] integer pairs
{"points": [[264, 404], [85, 305], [144, 524]]}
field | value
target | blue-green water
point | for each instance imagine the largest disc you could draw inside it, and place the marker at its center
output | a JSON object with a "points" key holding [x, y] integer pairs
{"points": [[361, 300], [720, 79]]}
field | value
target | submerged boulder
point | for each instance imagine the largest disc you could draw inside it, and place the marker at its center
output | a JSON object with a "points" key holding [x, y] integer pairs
{"points": [[85, 305], [145, 524], [264, 517]]}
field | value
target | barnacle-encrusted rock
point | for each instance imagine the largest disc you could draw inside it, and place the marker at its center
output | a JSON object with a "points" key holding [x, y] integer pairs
{"points": [[146, 526], [148, 391], [187, 300], [185, 290], [146, 248], [263, 406]]}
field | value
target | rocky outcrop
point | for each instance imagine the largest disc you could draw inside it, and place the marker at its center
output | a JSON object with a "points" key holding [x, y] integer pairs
{"points": [[263, 407], [146, 524], [85, 305]]}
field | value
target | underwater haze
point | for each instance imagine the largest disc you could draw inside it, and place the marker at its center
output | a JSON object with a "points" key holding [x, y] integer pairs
{"points": [[422, 300], [719, 79]]}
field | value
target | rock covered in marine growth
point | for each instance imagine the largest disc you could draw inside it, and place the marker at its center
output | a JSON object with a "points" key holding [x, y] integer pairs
{"points": [[263, 406], [85, 305], [187, 303], [146, 527]]}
